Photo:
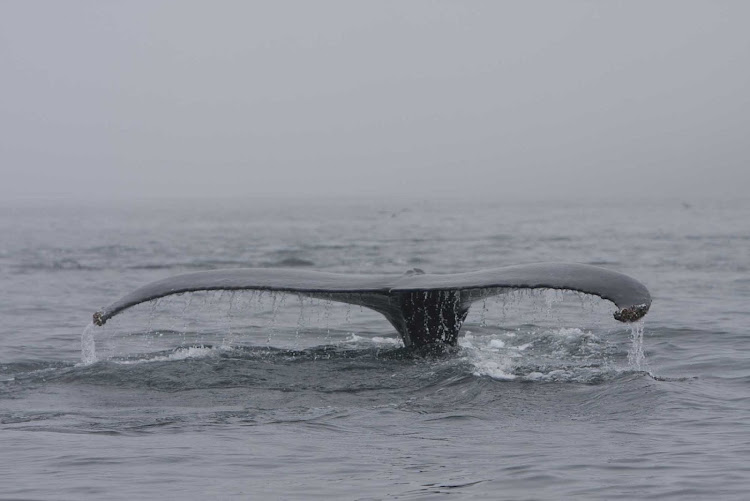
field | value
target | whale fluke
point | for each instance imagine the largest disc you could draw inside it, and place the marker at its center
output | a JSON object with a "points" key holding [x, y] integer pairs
{"points": [[426, 309]]}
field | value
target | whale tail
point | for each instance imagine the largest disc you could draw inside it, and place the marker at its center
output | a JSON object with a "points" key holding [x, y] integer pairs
{"points": [[427, 310]]}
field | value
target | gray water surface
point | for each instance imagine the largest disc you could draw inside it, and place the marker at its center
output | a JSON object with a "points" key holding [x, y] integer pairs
{"points": [[253, 395]]}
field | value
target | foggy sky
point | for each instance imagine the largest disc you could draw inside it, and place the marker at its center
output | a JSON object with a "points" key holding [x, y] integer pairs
{"points": [[442, 98]]}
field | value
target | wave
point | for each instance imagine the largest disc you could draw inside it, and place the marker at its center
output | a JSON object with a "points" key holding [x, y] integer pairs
{"points": [[289, 262]]}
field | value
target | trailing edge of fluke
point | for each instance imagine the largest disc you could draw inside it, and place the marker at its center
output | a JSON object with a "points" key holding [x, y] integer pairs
{"points": [[425, 309]]}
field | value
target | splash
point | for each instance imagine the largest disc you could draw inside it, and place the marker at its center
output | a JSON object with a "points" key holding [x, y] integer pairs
{"points": [[487, 362], [636, 355], [535, 354]]}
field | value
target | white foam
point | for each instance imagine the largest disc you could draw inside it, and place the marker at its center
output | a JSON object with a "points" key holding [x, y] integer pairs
{"points": [[188, 352], [194, 352], [496, 369], [389, 341], [569, 332]]}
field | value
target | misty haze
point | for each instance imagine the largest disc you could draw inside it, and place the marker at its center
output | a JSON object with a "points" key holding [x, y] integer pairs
{"points": [[563, 99]]}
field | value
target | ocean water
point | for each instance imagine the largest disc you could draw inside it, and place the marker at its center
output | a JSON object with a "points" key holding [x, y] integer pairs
{"points": [[247, 395]]}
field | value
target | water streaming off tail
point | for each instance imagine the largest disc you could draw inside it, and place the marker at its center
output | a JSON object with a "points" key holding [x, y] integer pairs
{"points": [[230, 319], [88, 344], [546, 335], [549, 335], [636, 355]]}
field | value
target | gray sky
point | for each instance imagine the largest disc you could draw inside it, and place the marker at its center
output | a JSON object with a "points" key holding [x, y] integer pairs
{"points": [[471, 98]]}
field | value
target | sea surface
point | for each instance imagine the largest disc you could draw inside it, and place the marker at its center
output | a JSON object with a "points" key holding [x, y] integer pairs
{"points": [[269, 396]]}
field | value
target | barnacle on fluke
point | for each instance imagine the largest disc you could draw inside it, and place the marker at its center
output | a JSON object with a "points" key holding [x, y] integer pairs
{"points": [[632, 314]]}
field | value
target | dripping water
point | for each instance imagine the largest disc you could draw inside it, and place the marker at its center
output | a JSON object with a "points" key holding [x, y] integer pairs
{"points": [[300, 320], [512, 335], [426, 313], [441, 316], [551, 298], [327, 306], [483, 314], [276, 304], [229, 338], [636, 355], [88, 345]]}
